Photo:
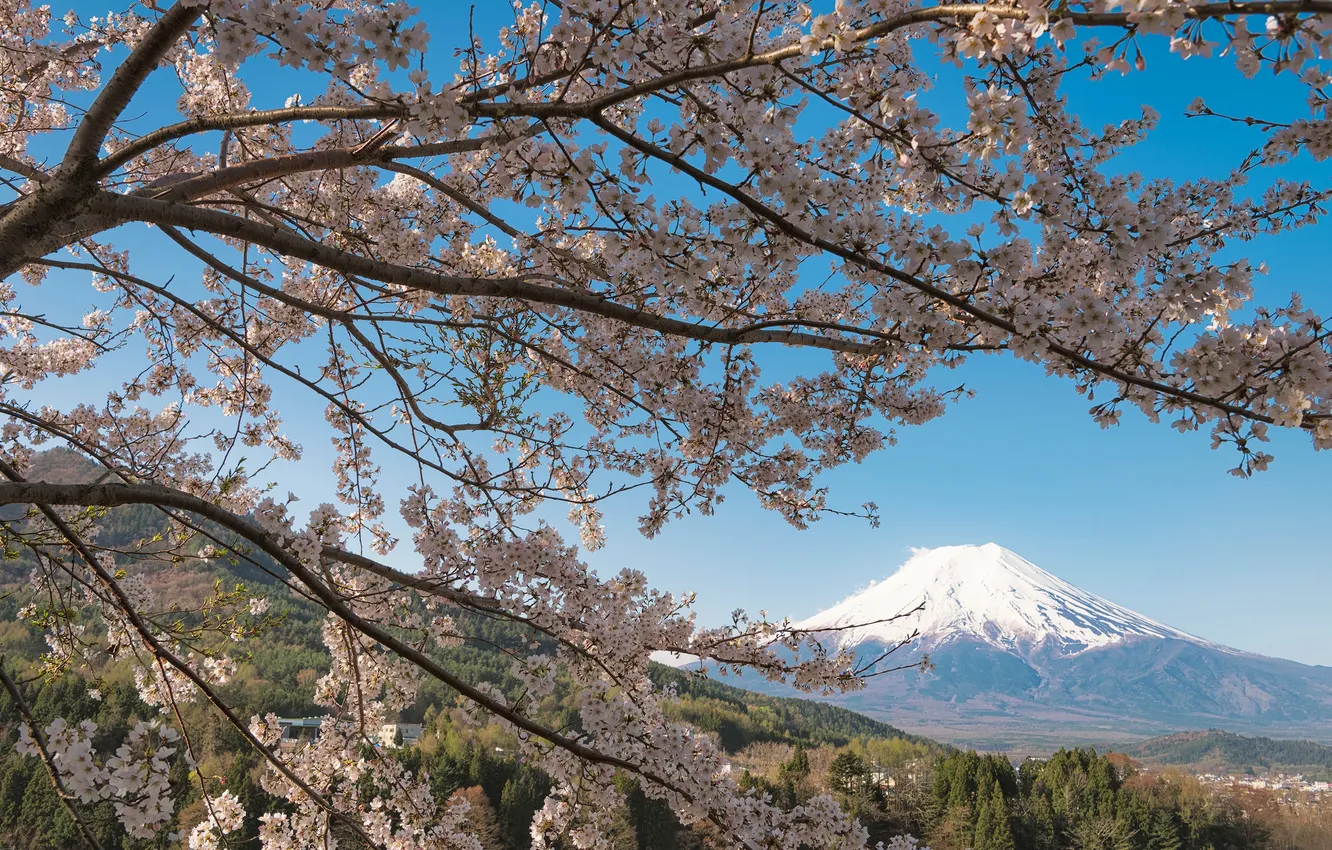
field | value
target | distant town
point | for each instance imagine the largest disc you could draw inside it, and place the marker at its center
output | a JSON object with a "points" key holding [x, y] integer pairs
{"points": [[1289, 788]]}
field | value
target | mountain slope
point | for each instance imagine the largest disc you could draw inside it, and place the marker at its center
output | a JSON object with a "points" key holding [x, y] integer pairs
{"points": [[1019, 657]]}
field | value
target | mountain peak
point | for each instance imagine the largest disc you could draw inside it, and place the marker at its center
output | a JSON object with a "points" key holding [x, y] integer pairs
{"points": [[984, 592], [1017, 654]]}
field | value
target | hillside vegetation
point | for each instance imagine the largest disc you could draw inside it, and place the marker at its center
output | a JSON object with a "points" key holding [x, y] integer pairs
{"points": [[291, 653], [277, 676]]}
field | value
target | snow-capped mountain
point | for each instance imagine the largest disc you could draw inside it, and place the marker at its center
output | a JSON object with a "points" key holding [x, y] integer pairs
{"points": [[1017, 655], [986, 593]]}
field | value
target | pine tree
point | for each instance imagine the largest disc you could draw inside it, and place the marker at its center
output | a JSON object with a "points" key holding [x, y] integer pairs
{"points": [[654, 824], [523, 794], [848, 773], [796, 769], [1165, 832], [14, 778], [747, 781], [621, 835], [984, 827], [251, 797], [1125, 836], [993, 829]]}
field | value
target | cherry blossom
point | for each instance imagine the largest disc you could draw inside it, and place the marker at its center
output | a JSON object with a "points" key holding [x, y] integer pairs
{"points": [[546, 270]]}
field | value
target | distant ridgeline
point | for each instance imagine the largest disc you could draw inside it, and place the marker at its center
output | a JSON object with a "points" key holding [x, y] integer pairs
{"points": [[1226, 752]]}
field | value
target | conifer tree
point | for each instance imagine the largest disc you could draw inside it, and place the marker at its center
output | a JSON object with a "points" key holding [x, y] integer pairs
{"points": [[797, 768], [621, 834], [521, 797], [655, 826], [993, 829], [848, 774], [1165, 834]]}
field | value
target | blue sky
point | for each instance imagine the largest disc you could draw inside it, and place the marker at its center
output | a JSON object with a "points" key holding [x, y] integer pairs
{"points": [[1143, 515], [1139, 514]]}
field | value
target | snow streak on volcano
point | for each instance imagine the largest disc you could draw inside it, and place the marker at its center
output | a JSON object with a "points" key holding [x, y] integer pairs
{"points": [[987, 593]]}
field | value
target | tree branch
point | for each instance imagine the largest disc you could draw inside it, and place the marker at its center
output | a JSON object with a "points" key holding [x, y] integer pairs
{"points": [[239, 120], [45, 494], [160, 651], [124, 208], [48, 761], [20, 167], [860, 258], [80, 160], [930, 14]]}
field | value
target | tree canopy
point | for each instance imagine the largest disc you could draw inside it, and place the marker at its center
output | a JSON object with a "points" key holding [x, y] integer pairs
{"points": [[541, 268]]}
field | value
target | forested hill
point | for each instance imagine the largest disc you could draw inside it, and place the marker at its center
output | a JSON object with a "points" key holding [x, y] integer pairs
{"points": [[1225, 751], [277, 673], [740, 717], [283, 663]]}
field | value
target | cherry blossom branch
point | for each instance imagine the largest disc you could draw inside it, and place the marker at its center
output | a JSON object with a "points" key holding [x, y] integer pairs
{"points": [[261, 170], [344, 320], [81, 155], [20, 167], [943, 13], [114, 495], [712, 649], [860, 258], [155, 646], [28, 220], [48, 761], [123, 208], [28, 492], [236, 121]]}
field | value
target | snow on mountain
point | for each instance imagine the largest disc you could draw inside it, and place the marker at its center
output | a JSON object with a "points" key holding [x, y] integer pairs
{"points": [[986, 593], [1017, 656]]}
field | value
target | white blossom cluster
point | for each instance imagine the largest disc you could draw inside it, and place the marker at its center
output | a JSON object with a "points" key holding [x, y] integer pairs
{"points": [[135, 777], [225, 815]]}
